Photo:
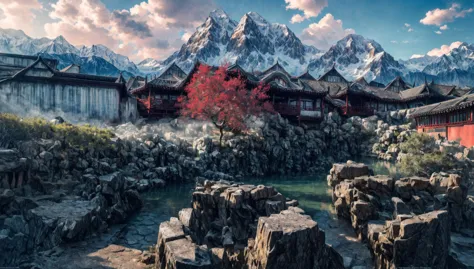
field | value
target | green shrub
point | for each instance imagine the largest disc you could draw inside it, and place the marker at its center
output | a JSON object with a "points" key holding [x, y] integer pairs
{"points": [[14, 129], [423, 156]]}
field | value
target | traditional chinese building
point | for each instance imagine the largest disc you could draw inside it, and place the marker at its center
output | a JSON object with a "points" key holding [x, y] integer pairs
{"points": [[301, 98], [31, 84], [453, 119], [365, 99]]}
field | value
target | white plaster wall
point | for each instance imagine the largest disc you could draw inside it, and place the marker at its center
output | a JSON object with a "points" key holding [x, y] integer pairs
{"points": [[85, 102]]}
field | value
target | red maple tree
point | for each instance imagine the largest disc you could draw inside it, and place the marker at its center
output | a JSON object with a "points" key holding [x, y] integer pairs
{"points": [[225, 101]]}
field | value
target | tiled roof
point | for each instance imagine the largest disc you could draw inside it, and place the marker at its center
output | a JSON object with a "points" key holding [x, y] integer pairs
{"points": [[443, 107]]}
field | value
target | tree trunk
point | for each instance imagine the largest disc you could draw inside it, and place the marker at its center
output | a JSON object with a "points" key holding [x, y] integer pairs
{"points": [[221, 130]]}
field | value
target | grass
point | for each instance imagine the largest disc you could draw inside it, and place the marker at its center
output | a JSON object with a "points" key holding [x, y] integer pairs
{"points": [[14, 129]]}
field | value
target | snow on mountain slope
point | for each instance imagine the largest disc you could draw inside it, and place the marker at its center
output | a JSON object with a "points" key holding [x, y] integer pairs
{"points": [[149, 65], [418, 63], [254, 43], [355, 57], [16, 41], [119, 61]]}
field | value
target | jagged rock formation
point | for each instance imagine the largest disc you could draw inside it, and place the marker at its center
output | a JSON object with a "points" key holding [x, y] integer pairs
{"points": [[242, 226], [399, 218], [419, 241]]}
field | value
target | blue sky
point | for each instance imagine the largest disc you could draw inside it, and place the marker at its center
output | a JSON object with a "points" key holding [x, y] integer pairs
{"points": [[154, 28]]}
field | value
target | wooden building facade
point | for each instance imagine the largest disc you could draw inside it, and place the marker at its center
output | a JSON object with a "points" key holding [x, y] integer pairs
{"points": [[32, 85], [453, 119], [301, 98]]}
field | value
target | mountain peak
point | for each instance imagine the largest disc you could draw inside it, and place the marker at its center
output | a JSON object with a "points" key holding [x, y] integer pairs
{"points": [[60, 38], [257, 18], [218, 14]]}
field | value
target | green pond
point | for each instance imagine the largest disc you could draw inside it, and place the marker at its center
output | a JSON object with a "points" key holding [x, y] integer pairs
{"points": [[312, 193]]}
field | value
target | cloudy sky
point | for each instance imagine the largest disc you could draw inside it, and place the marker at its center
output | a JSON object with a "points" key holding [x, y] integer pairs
{"points": [[156, 28]]}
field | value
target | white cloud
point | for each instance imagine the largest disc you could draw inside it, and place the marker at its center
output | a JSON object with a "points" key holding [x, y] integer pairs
{"points": [[186, 35], [444, 27], [310, 8], [18, 14], [405, 42], [408, 27], [326, 32], [394, 42], [440, 16], [297, 18], [438, 32], [444, 49], [416, 56]]}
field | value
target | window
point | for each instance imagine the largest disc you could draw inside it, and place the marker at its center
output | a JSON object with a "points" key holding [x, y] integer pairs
{"points": [[307, 105], [318, 104], [293, 102]]}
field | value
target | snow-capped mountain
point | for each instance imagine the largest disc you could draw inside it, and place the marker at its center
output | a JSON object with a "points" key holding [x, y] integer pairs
{"points": [[16, 41], [253, 43], [453, 68], [92, 65], [149, 65], [355, 57], [461, 58], [90, 58], [119, 61], [418, 63]]}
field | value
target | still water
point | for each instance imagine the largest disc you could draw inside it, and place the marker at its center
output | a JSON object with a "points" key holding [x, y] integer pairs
{"points": [[312, 193]]}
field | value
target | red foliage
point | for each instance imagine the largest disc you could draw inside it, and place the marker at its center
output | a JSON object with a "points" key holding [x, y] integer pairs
{"points": [[224, 100]]}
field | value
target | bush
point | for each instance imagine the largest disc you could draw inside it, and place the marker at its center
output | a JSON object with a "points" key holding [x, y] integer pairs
{"points": [[423, 157], [14, 129]]}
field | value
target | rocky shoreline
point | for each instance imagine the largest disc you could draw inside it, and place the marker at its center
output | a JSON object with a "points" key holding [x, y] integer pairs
{"points": [[55, 196], [409, 222], [52, 193], [242, 226]]}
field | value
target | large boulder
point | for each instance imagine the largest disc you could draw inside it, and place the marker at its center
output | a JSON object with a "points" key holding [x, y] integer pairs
{"points": [[419, 241], [349, 170], [288, 240]]}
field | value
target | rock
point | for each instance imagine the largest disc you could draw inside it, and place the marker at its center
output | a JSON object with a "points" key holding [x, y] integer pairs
{"points": [[262, 192], [47, 156], [361, 213], [460, 252], [381, 185], [350, 170], [439, 183], [469, 153], [421, 241], [286, 241], [9, 160], [112, 183], [6, 197], [183, 253], [400, 208]]}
